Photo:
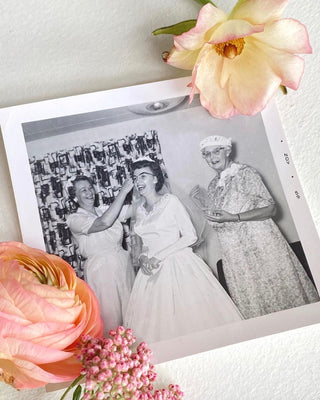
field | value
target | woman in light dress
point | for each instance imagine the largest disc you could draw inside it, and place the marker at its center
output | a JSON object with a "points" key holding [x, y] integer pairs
{"points": [[174, 293], [98, 233], [262, 272]]}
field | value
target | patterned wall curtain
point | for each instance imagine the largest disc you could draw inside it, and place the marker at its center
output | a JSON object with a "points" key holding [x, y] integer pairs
{"points": [[107, 163]]}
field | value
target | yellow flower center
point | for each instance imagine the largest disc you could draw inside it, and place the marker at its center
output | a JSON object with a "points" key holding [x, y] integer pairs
{"points": [[230, 49]]}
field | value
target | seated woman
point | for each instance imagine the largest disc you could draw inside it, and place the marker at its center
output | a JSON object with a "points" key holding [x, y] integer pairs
{"points": [[98, 233], [262, 272], [174, 293]]}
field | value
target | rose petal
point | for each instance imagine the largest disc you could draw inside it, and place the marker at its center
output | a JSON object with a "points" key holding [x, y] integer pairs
{"points": [[94, 324], [28, 375], [252, 80], [286, 34], [35, 308], [48, 334], [184, 59], [234, 29], [193, 39], [60, 298], [214, 98], [15, 271], [287, 66], [14, 318], [14, 348], [259, 11]]}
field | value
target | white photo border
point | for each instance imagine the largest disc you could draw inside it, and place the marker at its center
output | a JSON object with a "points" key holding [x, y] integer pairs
{"points": [[11, 120]]}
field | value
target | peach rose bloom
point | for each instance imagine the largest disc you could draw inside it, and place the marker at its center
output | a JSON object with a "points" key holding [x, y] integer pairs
{"points": [[239, 60], [44, 309]]}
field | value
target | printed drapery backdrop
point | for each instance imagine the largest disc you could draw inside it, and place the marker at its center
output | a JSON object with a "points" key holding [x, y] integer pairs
{"points": [[107, 163]]}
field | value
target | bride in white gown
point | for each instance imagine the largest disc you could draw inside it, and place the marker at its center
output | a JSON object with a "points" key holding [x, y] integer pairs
{"points": [[174, 293]]}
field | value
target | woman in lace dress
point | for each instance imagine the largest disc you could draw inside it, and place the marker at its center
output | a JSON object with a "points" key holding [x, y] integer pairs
{"points": [[262, 272], [174, 293], [98, 233]]}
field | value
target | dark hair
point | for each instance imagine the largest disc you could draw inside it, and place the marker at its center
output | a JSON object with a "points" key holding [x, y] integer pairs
{"points": [[155, 168]]}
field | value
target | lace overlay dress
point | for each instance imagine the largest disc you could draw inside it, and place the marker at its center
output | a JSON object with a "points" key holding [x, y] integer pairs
{"points": [[262, 272], [108, 269], [182, 296]]}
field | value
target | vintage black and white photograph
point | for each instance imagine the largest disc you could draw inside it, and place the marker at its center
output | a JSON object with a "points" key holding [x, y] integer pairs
{"points": [[178, 221]]}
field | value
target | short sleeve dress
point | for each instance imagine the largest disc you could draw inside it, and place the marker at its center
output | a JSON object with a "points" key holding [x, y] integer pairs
{"points": [[108, 269], [262, 272], [182, 296]]}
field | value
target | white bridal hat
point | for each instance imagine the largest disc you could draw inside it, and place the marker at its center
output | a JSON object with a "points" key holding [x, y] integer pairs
{"points": [[215, 140]]}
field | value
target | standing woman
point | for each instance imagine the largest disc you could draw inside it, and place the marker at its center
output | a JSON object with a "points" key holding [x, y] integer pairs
{"points": [[262, 272], [175, 292], [98, 233]]}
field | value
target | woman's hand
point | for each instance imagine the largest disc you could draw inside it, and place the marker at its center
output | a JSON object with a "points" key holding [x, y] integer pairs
{"points": [[147, 265], [127, 186], [219, 216]]}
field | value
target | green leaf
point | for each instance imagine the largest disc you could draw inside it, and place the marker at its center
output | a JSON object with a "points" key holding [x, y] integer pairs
{"points": [[77, 393], [176, 29], [204, 2], [72, 385]]}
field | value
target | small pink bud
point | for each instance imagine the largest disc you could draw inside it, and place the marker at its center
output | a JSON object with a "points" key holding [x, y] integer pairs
{"points": [[104, 364], [87, 396], [121, 330], [104, 353], [102, 376], [99, 396], [96, 360], [94, 369], [118, 380], [117, 340], [90, 384], [107, 387]]}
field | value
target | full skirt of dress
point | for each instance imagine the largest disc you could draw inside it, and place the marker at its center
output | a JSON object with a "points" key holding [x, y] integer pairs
{"points": [[182, 297]]}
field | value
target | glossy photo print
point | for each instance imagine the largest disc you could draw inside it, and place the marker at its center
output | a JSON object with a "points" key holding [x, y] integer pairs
{"points": [[188, 228]]}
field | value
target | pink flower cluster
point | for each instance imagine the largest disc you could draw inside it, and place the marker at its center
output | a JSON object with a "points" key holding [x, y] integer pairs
{"points": [[114, 372]]}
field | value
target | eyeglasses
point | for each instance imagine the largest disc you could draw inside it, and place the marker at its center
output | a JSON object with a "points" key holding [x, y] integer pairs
{"points": [[206, 154], [142, 176]]}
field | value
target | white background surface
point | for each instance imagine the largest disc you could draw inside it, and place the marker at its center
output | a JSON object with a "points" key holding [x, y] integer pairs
{"points": [[60, 48]]}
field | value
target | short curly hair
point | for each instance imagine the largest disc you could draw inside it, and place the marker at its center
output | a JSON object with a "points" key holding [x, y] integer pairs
{"points": [[78, 178]]}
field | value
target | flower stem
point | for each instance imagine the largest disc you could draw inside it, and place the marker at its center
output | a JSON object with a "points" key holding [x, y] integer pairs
{"points": [[72, 385]]}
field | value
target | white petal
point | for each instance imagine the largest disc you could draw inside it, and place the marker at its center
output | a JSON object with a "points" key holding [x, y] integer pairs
{"points": [[184, 59], [288, 67], [259, 11], [208, 17], [252, 81], [234, 29], [286, 34], [214, 98]]}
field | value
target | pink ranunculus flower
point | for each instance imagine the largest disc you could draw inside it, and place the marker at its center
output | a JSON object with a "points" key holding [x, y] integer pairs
{"points": [[44, 310], [239, 60]]}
